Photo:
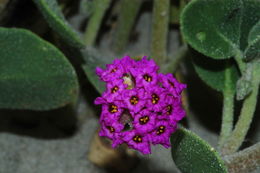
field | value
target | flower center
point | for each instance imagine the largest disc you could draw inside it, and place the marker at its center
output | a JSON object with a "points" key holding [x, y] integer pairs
{"points": [[112, 108], [172, 84], [114, 89], [134, 100], [168, 109], [113, 70], [147, 78], [137, 139], [143, 120], [155, 98], [111, 129], [160, 130]]}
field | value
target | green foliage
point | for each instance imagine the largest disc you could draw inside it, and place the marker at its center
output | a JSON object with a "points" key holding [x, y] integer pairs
{"points": [[52, 13], [253, 49], [218, 28], [99, 9], [213, 72], [33, 73], [94, 59], [191, 154]]}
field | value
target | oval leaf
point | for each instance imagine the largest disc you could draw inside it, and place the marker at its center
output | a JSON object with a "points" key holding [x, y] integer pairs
{"points": [[251, 15], [219, 29], [191, 154], [212, 27], [33, 73], [213, 72], [253, 49], [52, 13]]}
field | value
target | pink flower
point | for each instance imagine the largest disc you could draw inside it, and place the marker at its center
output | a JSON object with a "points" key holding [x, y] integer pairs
{"points": [[144, 121], [139, 107]]}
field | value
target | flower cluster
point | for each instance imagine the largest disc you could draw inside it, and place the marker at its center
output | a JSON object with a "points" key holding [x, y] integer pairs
{"points": [[139, 107]]}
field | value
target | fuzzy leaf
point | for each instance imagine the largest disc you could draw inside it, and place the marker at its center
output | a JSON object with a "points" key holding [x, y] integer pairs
{"points": [[95, 59], [253, 49], [33, 73], [52, 13], [212, 72], [216, 28], [191, 154]]}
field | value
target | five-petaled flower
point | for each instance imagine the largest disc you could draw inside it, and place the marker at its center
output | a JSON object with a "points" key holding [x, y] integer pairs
{"points": [[140, 106]]}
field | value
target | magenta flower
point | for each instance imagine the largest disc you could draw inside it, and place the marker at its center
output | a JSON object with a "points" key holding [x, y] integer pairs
{"points": [[162, 132], [171, 84], [114, 90], [139, 107], [144, 121], [135, 99], [137, 141]]}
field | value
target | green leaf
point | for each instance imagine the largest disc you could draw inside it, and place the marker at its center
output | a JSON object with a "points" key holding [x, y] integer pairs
{"points": [[216, 28], [253, 49], [95, 59], [191, 154], [213, 72], [33, 73], [251, 15], [52, 13]]}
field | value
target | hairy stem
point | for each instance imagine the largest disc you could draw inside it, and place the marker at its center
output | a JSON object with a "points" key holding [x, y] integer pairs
{"points": [[228, 109], [127, 15], [174, 61], [95, 21], [244, 161], [239, 60], [247, 112], [160, 27]]}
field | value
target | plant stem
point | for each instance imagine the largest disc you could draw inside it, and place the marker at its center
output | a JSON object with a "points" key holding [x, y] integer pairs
{"points": [[171, 67], [127, 15], [244, 161], [228, 109], [239, 60], [160, 27], [95, 21], [237, 136]]}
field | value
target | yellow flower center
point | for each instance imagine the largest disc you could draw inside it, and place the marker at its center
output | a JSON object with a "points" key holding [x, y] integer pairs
{"points": [[147, 78], [143, 120], [155, 98], [112, 108], [160, 130], [113, 70], [137, 138], [111, 129], [114, 89], [169, 109], [134, 100]]}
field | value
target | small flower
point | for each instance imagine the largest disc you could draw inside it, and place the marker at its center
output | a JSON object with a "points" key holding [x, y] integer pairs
{"points": [[156, 98], [112, 111], [144, 121], [112, 131], [112, 72], [161, 134], [137, 141], [139, 107], [135, 99], [171, 84], [114, 90], [146, 73]]}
